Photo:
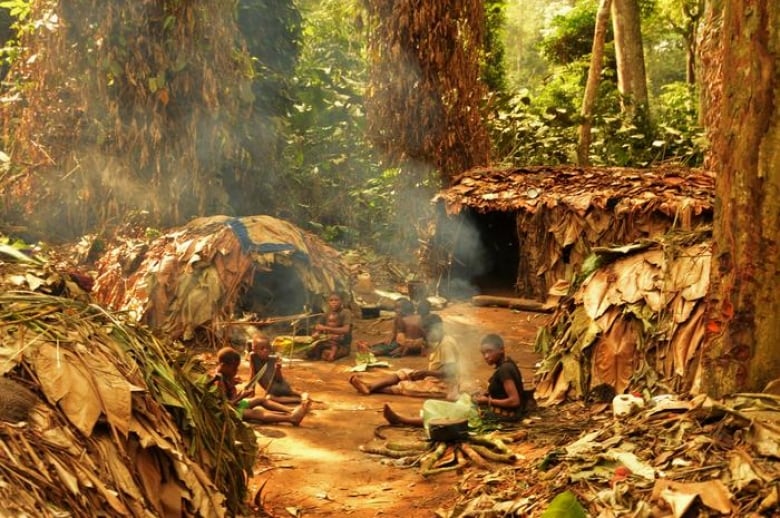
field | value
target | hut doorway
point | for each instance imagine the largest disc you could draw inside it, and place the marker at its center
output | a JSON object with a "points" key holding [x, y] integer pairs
{"points": [[485, 255], [275, 292]]}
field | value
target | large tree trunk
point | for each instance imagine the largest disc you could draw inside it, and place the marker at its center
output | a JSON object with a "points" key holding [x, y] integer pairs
{"points": [[742, 97], [592, 86], [632, 80]]}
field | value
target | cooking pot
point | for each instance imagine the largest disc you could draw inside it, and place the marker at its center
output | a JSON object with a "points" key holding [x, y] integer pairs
{"points": [[448, 430]]}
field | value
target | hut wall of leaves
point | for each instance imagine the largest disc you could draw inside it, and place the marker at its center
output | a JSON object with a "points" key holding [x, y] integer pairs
{"points": [[192, 280], [525, 229]]}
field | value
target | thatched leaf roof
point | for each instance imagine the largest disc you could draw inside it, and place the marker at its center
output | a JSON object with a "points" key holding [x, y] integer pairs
{"points": [[194, 275], [666, 189], [100, 417]]}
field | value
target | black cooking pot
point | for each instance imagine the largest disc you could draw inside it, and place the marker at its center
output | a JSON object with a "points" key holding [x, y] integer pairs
{"points": [[448, 430]]}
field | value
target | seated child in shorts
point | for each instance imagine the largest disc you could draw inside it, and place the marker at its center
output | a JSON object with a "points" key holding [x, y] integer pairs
{"points": [[408, 335], [439, 380], [333, 334], [256, 409], [276, 387]]}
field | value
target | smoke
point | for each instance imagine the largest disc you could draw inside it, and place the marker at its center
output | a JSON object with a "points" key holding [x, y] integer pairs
{"points": [[461, 254]]}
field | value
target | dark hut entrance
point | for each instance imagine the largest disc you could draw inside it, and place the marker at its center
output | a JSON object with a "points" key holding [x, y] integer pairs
{"points": [[273, 292], [491, 268], [483, 254]]}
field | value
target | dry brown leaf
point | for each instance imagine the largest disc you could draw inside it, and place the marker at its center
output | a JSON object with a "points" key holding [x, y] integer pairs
{"points": [[713, 493], [67, 383], [594, 292], [686, 341], [607, 320], [743, 470], [613, 356]]}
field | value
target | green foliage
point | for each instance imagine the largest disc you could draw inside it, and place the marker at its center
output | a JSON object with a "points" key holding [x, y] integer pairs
{"points": [[528, 134], [571, 37], [18, 9], [565, 505], [14, 15], [679, 135], [493, 69], [543, 130], [541, 127], [328, 157]]}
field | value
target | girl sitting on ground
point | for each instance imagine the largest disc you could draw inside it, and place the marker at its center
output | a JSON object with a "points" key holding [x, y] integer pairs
{"points": [[503, 400], [258, 409]]}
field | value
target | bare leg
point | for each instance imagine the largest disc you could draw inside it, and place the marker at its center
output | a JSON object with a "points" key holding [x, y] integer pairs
{"points": [[393, 418], [276, 406], [269, 416], [286, 400], [368, 388]]}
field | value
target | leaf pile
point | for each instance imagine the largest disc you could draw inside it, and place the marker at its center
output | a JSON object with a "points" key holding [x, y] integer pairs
{"points": [[562, 213], [193, 277], [636, 321], [119, 423], [675, 458]]}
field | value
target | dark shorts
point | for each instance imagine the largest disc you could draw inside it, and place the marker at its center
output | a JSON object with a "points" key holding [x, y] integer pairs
{"points": [[280, 388]]}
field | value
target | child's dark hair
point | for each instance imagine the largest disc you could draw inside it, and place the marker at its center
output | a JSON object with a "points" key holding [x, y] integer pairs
{"points": [[424, 308], [405, 306], [430, 321], [493, 340], [228, 356]]}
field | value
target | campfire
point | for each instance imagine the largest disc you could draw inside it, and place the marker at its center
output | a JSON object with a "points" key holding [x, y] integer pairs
{"points": [[450, 448]]}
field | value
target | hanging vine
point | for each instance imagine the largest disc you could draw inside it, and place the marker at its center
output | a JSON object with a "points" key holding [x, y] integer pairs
{"points": [[123, 106], [424, 100]]}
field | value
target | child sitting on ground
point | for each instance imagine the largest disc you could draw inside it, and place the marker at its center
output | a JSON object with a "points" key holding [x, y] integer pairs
{"points": [[271, 379], [439, 381], [255, 409], [333, 333], [408, 335]]}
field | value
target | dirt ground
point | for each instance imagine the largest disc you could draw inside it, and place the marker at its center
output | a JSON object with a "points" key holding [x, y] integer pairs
{"points": [[317, 469]]}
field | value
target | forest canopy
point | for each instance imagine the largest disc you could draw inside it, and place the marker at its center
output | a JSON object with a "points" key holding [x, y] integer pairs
{"points": [[169, 111]]}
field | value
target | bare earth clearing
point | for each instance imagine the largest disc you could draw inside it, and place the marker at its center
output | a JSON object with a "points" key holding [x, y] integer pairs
{"points": [[317, 469]]}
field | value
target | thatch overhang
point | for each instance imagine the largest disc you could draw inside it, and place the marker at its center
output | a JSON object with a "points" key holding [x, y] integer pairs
{"points": [[98, 417], [555, 216], [196, 277]]}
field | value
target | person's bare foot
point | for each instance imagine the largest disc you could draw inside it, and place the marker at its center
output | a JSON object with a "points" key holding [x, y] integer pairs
{"points": [[390, 415], [300, 411], [361, 387]]}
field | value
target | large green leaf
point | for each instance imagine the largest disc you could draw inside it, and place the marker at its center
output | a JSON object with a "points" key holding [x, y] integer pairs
{"points": [[565, 505]]}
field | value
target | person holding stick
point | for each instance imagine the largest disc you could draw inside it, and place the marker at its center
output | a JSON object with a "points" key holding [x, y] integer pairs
{"points": [[333, 334], [258, 409], [266, 370]]}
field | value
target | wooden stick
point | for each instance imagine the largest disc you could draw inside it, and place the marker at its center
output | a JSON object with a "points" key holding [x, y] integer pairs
{"points": [[489, 454], [511, 303], [270, 320]]}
